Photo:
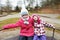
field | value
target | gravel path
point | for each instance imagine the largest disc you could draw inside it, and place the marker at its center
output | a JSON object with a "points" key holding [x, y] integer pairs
{"points": [[9, 16]]}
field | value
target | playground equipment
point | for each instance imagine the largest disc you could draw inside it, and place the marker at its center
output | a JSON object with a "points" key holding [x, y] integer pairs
{"points": [[53, 34]]}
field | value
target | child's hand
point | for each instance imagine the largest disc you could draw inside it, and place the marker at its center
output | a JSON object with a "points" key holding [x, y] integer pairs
{"points": [[53, 27], [1, 29]]}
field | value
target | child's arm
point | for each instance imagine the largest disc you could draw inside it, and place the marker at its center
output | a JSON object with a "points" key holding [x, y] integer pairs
{"points": [[18, 24], [47, 24]]}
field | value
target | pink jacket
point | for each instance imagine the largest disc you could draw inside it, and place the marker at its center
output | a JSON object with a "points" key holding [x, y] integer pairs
{"points": [[39, 26], [26, 30]]}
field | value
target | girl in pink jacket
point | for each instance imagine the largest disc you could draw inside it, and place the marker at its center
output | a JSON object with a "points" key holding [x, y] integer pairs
{"points": [[39, 27], [26, 24]]}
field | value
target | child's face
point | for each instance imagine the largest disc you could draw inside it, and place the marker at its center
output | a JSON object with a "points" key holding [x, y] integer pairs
{"points": [[25, 16], [35, 18]]}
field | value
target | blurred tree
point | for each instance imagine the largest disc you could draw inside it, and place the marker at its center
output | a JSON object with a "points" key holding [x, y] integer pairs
{"points": [[50, 3], [17, 9], [8, 7], [0, 8], [33, 4]]}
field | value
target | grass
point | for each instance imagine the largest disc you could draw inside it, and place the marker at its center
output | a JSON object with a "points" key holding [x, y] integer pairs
{"points": [[8, 21], [58, 17]]}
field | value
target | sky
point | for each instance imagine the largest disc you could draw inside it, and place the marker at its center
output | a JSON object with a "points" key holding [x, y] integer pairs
{"points": [[13, 3], [21, 3]]}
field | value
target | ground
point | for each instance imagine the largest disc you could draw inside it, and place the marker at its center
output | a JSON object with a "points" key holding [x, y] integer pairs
{"points": [[10, 34]]}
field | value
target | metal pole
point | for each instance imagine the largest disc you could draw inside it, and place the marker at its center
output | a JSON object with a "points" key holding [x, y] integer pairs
{"points": [[53, 34]]}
